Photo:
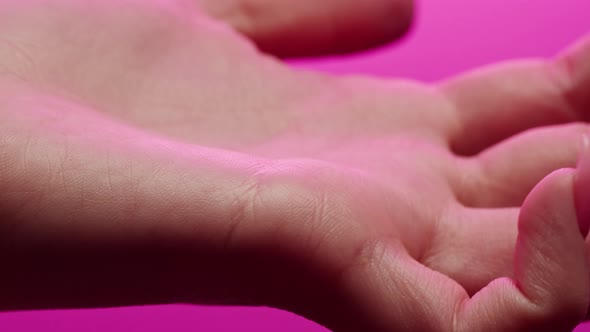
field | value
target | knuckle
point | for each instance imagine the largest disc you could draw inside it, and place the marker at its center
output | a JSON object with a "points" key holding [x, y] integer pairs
{"points": [[565, 75], [296, 201], [275, 202]]}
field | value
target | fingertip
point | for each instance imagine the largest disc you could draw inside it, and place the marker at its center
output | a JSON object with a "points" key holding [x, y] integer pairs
{"points": [[578, 50], [549, 248], [552, 195], [546, 229], [574, 64]]}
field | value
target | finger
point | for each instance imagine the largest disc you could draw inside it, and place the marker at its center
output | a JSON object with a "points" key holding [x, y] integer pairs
{"points": [[549, 291], [503, 175], [307, 28], [496, 103]]}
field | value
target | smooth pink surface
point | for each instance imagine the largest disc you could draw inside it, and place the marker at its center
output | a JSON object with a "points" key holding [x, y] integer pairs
{"points": [[450, 36]]}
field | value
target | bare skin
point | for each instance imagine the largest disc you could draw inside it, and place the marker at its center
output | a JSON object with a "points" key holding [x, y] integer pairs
{"points": [[308, 27], [150, 154]]}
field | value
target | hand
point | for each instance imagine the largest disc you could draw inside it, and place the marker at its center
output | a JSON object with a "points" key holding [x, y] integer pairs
{"points": [[310, 27], [151, 155]]}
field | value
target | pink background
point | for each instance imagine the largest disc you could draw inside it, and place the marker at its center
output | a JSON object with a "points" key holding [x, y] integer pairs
{"points": [[449, 36]]}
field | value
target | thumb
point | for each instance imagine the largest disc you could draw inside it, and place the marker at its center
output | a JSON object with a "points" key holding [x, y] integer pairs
{"points": [[310, 27]]}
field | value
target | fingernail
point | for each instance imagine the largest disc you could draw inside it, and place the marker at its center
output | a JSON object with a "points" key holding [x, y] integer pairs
{"points": [[582, 187]]}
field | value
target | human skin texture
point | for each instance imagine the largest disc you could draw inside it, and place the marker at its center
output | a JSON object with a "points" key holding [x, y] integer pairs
{"points": [[150, 154]]}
